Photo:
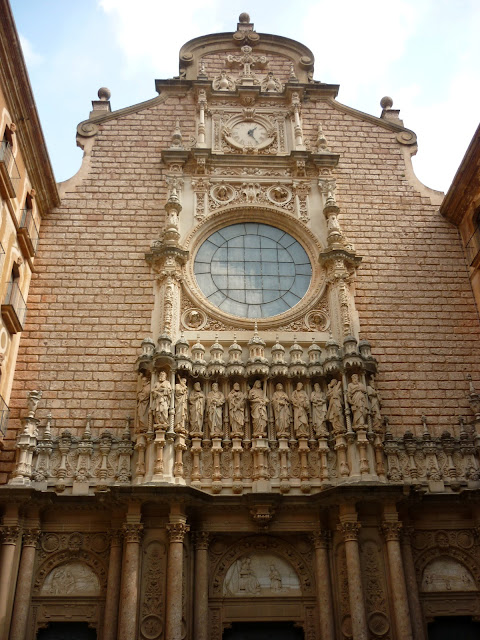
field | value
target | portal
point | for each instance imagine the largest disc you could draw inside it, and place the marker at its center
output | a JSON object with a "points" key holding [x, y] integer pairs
{"points": [[67, 631], [263, 631]]}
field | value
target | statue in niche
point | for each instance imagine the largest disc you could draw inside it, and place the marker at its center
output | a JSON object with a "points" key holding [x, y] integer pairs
{"points": [[236, 410], [215, 402], [335, 406], [301, 407], [258, 406], [275, 578], [281, 411], [181, 396], [196, 403], [319, 410], [143, 404], [160, 398], [375, 402], [356, 395]]}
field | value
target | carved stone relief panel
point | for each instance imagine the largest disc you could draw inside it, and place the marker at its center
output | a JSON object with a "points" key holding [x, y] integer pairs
{"points": [[70, 579], [341, 588], [375, 588], [152, 598], [261, 574], [447, 574]]}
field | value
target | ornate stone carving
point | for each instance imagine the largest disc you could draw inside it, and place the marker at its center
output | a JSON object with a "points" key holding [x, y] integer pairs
{"points": [[319, 411], [258, 406], [152, 598], [133, 532], [215, 402], [335, 406], [177, 531], [317, 320], [161, 395], [447, 574], [236, 411], [9, 534], [282, 412], [196, 402], [194, 319], [301, 409], [181, 407], [356, 394], [71, 578], [350, 530]]}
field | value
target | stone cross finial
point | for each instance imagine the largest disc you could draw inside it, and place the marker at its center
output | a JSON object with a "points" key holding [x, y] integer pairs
{"points": [[246, 61]]}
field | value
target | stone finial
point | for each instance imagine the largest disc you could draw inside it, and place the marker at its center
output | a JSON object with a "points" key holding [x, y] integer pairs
{"points": [[244, 18], [104, 94], [426, 432], [87, 434], [102, 105], [33, 398], [177, 139], [321, 141], [388, 113]]}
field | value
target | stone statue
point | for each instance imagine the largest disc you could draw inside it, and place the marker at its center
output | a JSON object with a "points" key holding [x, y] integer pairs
{"points": [[215, 402], [143, 404], [258, 407], [181, 396], [248, 582], [281, 411], [236, 410], [375, 402], [319, 410], [356, 395], [301, 407], [160, 399], [335, 406], [33, 398], [196, 403]]}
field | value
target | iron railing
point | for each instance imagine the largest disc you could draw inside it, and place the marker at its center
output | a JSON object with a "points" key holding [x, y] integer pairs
{"points": [[4, 411], [6, 156], [27, 222], [15, 299]]}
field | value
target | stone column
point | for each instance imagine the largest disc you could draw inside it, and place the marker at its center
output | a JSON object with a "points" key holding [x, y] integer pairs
{"points": [[9, 535], [350, 528], [23, 591], [113, 586], [391, 531], [321, 540], [174, 613], [200, 614], [128, 610], [416, 613]]}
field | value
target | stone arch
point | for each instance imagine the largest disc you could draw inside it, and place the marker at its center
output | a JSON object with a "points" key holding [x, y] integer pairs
{"points": [[450, 553], [66, 557], [264, 547]]}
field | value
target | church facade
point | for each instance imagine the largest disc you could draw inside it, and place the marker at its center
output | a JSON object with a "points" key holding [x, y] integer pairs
{"points": [[244, 403]]}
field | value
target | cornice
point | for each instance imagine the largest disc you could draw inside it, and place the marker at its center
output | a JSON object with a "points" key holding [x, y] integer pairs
{"points": [[21, 104], [463, 188]]}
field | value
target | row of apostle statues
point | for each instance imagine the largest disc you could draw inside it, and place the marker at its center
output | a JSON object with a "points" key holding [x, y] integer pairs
{"points": [[319, 410]]}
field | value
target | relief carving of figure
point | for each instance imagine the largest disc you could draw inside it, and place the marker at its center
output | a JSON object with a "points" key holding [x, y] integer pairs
{"points": [[196, 403], [236, 410], [319, 410], [143, 404], [258, 407], [375, 402], [301, 408], [275, 578], [215, 402], [335, 406], [282, 412], [181, 396], [356, 394], [160, 399], [248, 580]]}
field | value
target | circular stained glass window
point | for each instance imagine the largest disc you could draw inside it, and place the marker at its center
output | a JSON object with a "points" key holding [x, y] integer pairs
{"points": [[252, 270]]}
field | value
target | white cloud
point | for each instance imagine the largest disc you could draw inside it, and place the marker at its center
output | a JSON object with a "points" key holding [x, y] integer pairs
{"points": [[32, 57], [151, 33]]}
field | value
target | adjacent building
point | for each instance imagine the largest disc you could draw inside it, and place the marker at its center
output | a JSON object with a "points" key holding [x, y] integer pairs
{"points": [[244, 402]]}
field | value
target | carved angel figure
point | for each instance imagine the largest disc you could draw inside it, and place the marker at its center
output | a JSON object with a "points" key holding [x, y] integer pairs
{"points": [[196, 403], [281, 411], [301, 409], [181, 395], [335, 406], [236, 410], [160, 399], [215, 402], [356, 394], [258, 407], [319, 410], [143, 404]]}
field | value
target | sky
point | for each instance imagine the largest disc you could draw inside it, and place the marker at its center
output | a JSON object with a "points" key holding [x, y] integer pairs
{"points": [[425, 54]]}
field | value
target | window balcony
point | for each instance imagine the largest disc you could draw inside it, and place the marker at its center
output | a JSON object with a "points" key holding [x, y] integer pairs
{"points": [[473, 249], [28, 234], [14, 309], [4, 410], [9, 174]]}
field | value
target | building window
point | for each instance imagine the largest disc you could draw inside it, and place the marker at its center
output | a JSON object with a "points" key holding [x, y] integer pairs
{"points": [[252, 270], [473, 245], [9, 174], [28, 232], [14, 309]]}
